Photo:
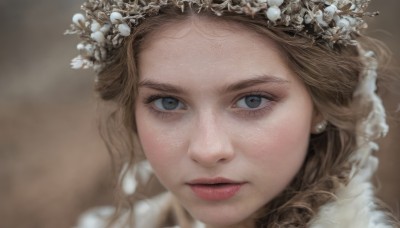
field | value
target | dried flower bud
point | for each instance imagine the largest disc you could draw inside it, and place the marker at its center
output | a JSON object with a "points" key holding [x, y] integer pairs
{"points": [[115, 17], [297, 19], [89, 49], [115, 40], [319, 16], [330, 10], [273, 13], [124, 29], [293, 7], [102, 16], [351, 20], [275, 2], [80, 46], [95, 26], [106, 28], [307, 19], [77, 62], [78, 19], [98, 37], [343, 23]]}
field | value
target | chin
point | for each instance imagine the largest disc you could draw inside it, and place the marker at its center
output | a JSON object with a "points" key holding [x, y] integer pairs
{"points": [[221, 217]]}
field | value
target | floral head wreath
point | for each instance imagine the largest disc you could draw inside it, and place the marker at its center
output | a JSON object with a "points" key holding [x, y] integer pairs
{"points": [[106, 23]]}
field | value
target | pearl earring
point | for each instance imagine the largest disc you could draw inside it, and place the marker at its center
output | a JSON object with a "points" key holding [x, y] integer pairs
{"points": [[319, 128]]}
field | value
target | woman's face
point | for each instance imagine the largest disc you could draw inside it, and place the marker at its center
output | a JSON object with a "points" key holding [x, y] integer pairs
{"points": [[221, 118]]}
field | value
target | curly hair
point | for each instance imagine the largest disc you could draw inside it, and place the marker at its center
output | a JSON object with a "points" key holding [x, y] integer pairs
{"points": [[331, 82]]}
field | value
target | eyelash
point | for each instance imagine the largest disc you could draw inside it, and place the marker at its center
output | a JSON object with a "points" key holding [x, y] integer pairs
{"points": [[245, 113], [149, 102], [256, 112]]}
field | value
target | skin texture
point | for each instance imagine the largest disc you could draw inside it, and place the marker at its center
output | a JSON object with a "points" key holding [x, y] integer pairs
{"points": [[194, 122]]}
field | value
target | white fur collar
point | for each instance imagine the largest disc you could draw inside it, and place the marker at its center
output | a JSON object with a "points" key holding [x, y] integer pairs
{"points": [[355, 205]]}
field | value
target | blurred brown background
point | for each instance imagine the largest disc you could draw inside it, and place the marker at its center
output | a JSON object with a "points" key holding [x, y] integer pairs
{"points": [[53, 164]]}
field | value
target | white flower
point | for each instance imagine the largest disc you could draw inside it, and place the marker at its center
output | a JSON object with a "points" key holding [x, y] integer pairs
{"points": [[330, 10], [319, 16], [275, 3], [78, 19], [124, 29], [80, 46], [98, 37], [80, 62], [351, 20], [95, 26], [115, 17], [106, 28], [273, 13], [262, 1], [89, 48], [343, 23], [77, 62]]}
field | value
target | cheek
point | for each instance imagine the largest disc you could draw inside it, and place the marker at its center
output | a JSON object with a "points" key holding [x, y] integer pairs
{"points": [[289, 143], [161, 145], [279, 145]]}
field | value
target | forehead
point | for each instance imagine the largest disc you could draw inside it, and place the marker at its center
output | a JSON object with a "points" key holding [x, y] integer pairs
{"points": [[212, 29], [200, 47]]}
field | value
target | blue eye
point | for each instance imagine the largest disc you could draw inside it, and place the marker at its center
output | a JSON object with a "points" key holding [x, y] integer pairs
{"points": [[168, 104], [252, 102]]}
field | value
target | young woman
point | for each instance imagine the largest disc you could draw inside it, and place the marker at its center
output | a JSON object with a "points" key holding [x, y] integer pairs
{"points": [[251, 113]]}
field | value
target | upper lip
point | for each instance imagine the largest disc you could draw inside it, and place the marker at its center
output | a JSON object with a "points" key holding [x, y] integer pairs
{"points": [[216, 180]]}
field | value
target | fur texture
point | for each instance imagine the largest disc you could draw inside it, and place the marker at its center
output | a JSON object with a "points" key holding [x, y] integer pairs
{"points": [[355, 205]]}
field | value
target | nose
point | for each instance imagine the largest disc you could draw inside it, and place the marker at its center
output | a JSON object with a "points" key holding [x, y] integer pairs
{"points": [[210, 143]]}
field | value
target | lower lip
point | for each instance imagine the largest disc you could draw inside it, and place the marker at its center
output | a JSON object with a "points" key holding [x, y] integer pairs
{"points": [[215, 192]]}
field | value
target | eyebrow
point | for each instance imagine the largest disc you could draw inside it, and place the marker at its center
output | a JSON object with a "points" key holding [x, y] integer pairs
{"points": [[242, 84], [262, 79], [162, 87]]}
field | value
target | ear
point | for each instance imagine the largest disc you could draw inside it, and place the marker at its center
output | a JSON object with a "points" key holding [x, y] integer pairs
{"points": [[317, 120]]}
